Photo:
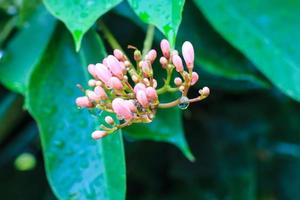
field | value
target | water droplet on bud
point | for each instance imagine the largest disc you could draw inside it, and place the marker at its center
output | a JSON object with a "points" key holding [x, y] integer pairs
{"points": [[184, 103]]}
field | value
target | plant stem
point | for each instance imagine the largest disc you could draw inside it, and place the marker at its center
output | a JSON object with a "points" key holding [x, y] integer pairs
{"points": [[109, 36], [148, 39], [8, 27]]}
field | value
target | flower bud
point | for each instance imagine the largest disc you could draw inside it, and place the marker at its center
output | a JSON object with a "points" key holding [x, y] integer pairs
{"points": [[195, 78], [139, 86], [130, 105], [115, 66], [146, 81], [174, 52], [115, 83], [164, 62], [92, 96], [205, 91], [151, 93], [100, 92], [104, 61], [154, 83], [137, 55], [92, 82], [146, 68], [98, 134], [178, 81], [119, 54], [151, 55], [83, 102], [188, 54], [91, 69], [142, 98], [109, 120], [102, 72], [121, 109], [134, 78], [177, 63], [165, 48]]}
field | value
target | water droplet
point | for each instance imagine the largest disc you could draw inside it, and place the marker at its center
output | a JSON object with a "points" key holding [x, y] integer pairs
{"points": [[1, 53], [11, 10], [184, 103]]}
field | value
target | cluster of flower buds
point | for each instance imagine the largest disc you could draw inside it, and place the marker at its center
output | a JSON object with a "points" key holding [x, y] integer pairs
{"points": [[130, 90]]}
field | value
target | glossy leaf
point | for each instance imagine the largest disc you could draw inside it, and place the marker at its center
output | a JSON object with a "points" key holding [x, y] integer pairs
{"points": [[165, 15], [260, 31], [213, 53], [77, 166], [166, 127], [23, 52], [79, 15], [219, 64]]}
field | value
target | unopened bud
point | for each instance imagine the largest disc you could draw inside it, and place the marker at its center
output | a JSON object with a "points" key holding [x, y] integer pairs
{"points": [[177, 63], [165, 48], [119, 54], [204, 92], [195, 78], [137, 55], [92, 82], [98, 134], [164, 62], [178, 81], [109, 120], [151, 55]]}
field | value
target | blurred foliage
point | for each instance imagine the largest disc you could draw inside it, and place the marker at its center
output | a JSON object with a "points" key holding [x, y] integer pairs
{"points": [[245, 138]]}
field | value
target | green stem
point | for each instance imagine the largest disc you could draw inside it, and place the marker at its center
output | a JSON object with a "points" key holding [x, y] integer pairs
{"points": [[109, 36], [149, 39]]}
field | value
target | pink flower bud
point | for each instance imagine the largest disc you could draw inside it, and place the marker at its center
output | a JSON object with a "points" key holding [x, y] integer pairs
{"points": [[91, 69], [177, 63], [115, 83], [175, 52], [98, 134], [165, 48], [146, 68], [100, 92], [205, 91], [188, 54], [151, 55], [195, 78], [92, 82], [163, 61], [104, 61], [92, 96], [119, 54], [154, 83], [151, 93], [177, 81], [130, 105], [142, 98], [102, 72], [83, 102], [109, 120], [121, 109], [115, 66], [135, 78], [139, 86]]}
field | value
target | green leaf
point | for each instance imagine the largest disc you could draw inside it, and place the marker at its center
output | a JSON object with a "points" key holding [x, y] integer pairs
{"points": [[79, 15], [266, 33], [219, 64], [24, 51], [165, 15], [166, 127], [77, 166], [213, 53]]}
